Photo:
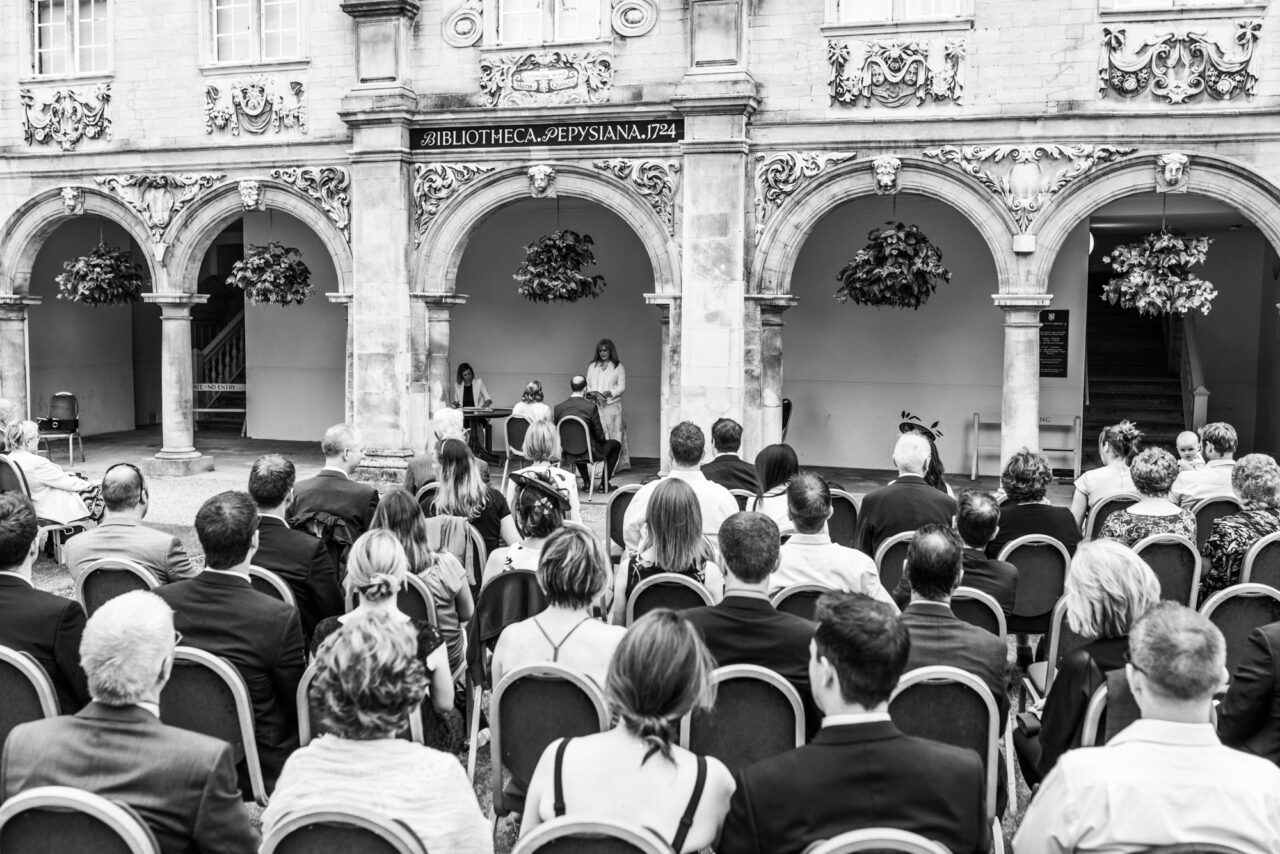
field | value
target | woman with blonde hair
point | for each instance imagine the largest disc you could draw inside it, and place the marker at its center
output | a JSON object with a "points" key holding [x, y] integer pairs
{"points": [[1117, 445], [530, 405], [542, 449], [55, 493], [464, 493], [1153, 472], [635, 772], [1256, 482]]}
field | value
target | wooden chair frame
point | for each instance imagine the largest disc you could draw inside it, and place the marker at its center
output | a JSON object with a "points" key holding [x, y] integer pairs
{"points": [[988, 601], [878, 839], [1171, 539], [512, 451], [36, 675], [883, 551], [1091, 527], [591, 456], [282, 588], [113, 564], [127, 826], [759, 674], [783, 594], [609, 542], [1246, 572], [665, 578], [645, 841], [394, 833]]}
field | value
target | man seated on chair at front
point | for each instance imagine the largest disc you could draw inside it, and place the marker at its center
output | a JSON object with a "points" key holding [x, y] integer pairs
{"points": [[603, 449]]}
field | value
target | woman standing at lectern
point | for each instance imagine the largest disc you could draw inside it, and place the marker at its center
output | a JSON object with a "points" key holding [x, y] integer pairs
{"points": [[606, 381]]}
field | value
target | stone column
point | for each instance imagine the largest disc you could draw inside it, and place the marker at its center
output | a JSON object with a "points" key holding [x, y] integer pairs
{"points": [[431, 381], [15, 377], [669, 378], [764, 370], [178, 455], [344, 300], [1020, 410]]}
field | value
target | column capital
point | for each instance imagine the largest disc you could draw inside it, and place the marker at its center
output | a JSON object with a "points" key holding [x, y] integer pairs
{"points": [[1022, 302], [176, 299], [18, 300], [340, 298], [661, 299], [382, 8], [773, 302], [433, 300]]}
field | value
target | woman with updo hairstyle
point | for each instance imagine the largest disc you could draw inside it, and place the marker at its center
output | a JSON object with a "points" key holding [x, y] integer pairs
{"points": [[530, 405], [542, 450], [368, 681], [775, 466], [1256, 482], [540, 510], [635, 772], [1117, 445], [1025, 510], [1153, 471], [376, 570]]}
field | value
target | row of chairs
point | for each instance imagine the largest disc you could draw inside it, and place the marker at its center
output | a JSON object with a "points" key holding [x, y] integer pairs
{"points": [[575, 445], [1207, 511]]}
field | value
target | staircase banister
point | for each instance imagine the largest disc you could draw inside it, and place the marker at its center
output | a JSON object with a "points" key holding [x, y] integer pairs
{"points": [[227, 331], [1195, 373]]}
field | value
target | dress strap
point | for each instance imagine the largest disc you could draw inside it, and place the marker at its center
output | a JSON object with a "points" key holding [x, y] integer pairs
{"points": [[686, 821], [555, 647], [557, 780]]}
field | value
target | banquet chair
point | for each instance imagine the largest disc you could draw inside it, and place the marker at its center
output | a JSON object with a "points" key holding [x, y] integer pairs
{"points": [[26, 691], [566, 835], [1209, 510], [1237, 611], [890, 557], [800, 599], [978, 609], [844, 518], [743, 497], [13, 480], [335, 829], [1062, 640], [63, 422], [575, 447], [57, 819], [786, 417], [666, 590], [1042, 564], [268, 582], [614, 514], [1262, 562], [105, 579], [1099, 512], [310, 725], [878, 839], [414, 600], [1176, 562], [515, 429], [1110, 709], [757, 714]]}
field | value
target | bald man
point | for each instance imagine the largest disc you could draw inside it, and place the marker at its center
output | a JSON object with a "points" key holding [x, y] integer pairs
{"points": [[907, 502]]}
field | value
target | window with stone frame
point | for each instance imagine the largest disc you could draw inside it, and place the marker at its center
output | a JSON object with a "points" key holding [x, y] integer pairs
{"points": [[530, 22], [1161, 5], [247, 31], [868, 11], [71, 36]]}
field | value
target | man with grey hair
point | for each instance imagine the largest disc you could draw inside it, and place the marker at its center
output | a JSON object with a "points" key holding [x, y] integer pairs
{"points": [[906, 503], [1213, 479], [181, 783], [1165, 778], [332, 491]]}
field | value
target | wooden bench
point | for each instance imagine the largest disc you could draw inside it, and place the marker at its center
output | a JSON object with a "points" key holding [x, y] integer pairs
{"points": [[1053, 422]]}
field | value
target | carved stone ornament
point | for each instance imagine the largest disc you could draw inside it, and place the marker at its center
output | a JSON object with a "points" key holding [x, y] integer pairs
{"points": [[542, 178], [1171, 172], [538, 79], [895, 73], [434, 183], [65, 118], [885, 171], [634, 17], [1180, 65], [464, 26], [328, 186], [254, 105], [778, 176], [250, 195], [1025, 177], [157, 198], [655, 180], [73, 200]]}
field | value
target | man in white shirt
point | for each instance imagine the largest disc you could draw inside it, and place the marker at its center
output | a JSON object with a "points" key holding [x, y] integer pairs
{"points": [[1214, 478], [687, 447], [810, 557], [1165, 778]]}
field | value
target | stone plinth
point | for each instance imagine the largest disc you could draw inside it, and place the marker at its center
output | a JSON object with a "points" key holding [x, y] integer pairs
{"points": [[161, 466]]}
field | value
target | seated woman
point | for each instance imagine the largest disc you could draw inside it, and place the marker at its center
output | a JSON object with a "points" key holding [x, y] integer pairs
{"points": [[369, 679], [542, 449], [530, 404], [635, 773], [55, 494], [1107, 590], [671, 541], [1025, 480], [445, 424], [1117, 446], [376, 570], [573, 571], [463, 493], [1256, 481], [539, 510], [1154, 471], [775, 466]]}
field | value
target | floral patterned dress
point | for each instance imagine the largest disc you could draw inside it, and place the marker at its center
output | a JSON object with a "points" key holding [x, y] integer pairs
{"points": [[1130, 528], [1232, 536]]}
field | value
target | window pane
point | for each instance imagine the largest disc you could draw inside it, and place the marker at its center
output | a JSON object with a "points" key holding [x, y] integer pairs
{"points": [[279, 28], [521, 21], [577, 19], [866, 10], [938, 8], [92, 35], [51, 36], [232, 30]]}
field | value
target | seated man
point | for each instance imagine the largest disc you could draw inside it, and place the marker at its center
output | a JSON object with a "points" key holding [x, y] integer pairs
{"points": [[1249, 716], [978, 523], [219, 612], [181, 783], [860, 770], [1213, 479], [810, 557], [603, 449], [333, 491], [906, 503], [688, 444], [121, 533], [1165, 778], [45, 626], [728, 469]]}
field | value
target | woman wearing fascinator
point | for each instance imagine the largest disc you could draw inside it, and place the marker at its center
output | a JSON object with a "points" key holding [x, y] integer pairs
{"points": [[540, 508]]}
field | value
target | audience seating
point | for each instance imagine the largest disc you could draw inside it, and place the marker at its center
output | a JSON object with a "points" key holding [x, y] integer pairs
{"points": [[666, 590], [334, 829], [1209, 510], [1239, 610], [310, 726], [206, 694], [614, 513], [1062, 640], [414, 599], [266, 581], [799, 599], [26, 691], [472, 558], [890, 557], [575, 446], [53, 819], [568, 835], [104, 580], [744, 498], [1104, 508], [425, 495], [758, 714], [530, 708], [1110, 709], [1176, 562], [13, 480], [1262, 562], [1042, 564], [515, 429], [844, 518], [978, 609], [878, 839]]}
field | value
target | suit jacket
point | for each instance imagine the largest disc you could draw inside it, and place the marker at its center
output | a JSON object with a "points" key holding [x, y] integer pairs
{"points": [[221, 613], [331, 492], [854, 776], [1249, 716], [304, 563], [731, 472], [126, 537], [939, 637], [587, 411], [997, 578], [181, 783], [903, 505], [1019, 520], [48, 627]]}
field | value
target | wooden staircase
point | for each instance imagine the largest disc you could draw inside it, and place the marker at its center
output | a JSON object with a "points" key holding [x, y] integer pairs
{"points": [[222, 361]]}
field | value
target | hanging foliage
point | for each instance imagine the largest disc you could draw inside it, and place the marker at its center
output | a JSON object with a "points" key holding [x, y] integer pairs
{"points": [[272, 274], [552, 269], [106, 276], [899, 268], [1155, 275]]}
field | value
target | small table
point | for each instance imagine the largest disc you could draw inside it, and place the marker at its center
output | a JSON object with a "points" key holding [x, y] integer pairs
{"points": [[476, 419]]}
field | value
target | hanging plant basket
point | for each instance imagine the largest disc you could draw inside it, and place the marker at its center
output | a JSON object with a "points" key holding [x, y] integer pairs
{"points": [[552, 269], [106, 276], [1154, 275], [899, 268], [272, 274]]}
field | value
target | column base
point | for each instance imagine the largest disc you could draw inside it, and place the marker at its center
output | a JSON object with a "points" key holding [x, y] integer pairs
{"points": [[176, 464], [384, 468]]}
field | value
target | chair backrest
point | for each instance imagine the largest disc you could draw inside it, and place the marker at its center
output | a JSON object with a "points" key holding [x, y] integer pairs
{"points": [[1239, 610], [666, 590], [426, 494], [758, 714], [1104, 508], [971, 718], [567, 835], [53, 819], [1262, 562], [333, 828], [64, 404], [1062, 640], [415, 599], [615, 512], [1176, 562], [889, 559], [978, 609], [1209, 510], [506, 598], [26, 691], [515, 429], [575, 436], [1042, 564], [799, 599], [743, 497], [11, 477], [1110, 709], [844, 518], [104, 580], [532, 707], [266, 581], [310, 725], [786, 416], [206, 694], [878, 839], [1194, 848]]}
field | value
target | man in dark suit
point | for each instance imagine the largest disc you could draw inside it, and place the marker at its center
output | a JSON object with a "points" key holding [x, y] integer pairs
{"points": [[299, 558], [181, 783], [906, 503], [1249, 716], [745, 628], [978, 522], [219, 612], [332, 490], [602, 447], [45, 626], [728, 469], [860, 770]]}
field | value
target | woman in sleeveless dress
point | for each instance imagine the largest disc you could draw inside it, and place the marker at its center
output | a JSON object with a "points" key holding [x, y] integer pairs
{"points": [[1117, 445], [606, 381]]}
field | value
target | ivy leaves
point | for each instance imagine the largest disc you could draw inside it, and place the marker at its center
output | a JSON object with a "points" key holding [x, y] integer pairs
{"points": [[900, 268], [106, 276], [1155, 275], [272, 274], [552, 269]]}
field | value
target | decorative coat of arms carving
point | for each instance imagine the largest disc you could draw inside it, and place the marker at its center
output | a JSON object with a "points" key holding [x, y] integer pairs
{"points": [[542, 78], [157, 198], [328, 186], [1180, 65], [254, 105], [895, 73], [464, 26], [434, 183], [779, 175], [65, 118], [655, 180]]}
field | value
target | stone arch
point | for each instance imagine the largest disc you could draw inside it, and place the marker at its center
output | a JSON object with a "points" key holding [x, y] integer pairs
{"points": [[27, 229], [441, 247], [784, 236]]}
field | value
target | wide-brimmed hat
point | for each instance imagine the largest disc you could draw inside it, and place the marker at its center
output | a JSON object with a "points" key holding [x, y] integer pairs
{"points": [[536, 486]]}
